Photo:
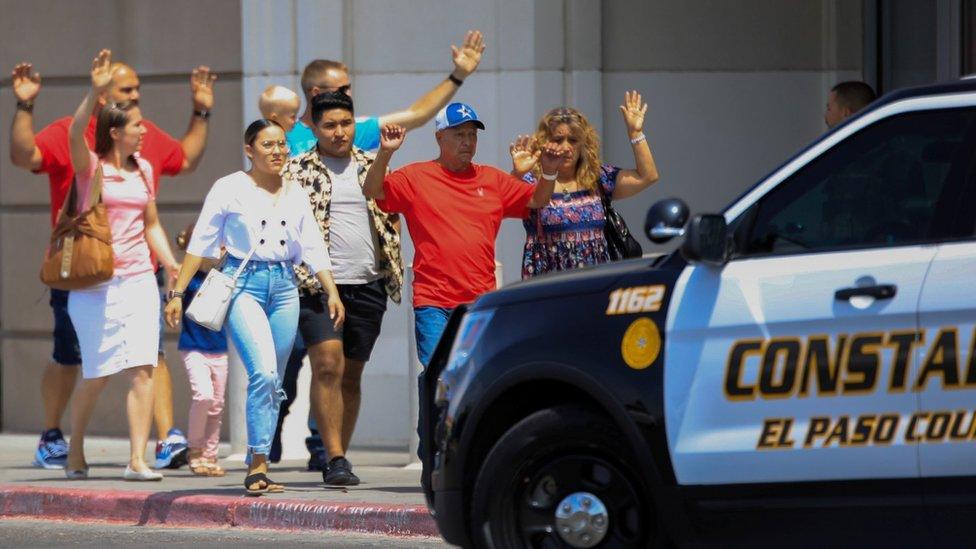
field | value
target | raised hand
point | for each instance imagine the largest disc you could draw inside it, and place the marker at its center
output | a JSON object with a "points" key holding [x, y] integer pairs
{"points": [[391, 137], [467, 57], [201, 86], [523, 159], [633, 110], [26, 84], [101, 71], [552, 157]]}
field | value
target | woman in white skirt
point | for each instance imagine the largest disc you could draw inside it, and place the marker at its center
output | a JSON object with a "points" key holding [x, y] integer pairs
{"points": [[117, 321]]}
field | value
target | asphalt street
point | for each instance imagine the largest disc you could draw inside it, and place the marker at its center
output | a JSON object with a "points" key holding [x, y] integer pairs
{"points": [[37, 534]]}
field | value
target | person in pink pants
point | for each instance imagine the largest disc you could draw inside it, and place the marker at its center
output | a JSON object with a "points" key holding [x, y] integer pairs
{"points": [[205, 356]]}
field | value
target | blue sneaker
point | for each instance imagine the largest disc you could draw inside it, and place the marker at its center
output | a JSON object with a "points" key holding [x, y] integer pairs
{"points": [[52, 450], [171, 453]]}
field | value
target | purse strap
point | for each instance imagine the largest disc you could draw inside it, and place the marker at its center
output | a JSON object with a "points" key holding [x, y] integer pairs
{"points": [[69, 209], [607, 207], [95, 192], [247, 258]]}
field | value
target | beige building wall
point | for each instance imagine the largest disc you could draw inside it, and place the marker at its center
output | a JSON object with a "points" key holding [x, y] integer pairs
{"points": [[163, 41], [734, 88]]}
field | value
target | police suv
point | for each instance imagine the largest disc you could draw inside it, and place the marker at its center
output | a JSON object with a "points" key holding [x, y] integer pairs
{"points": [[801, 371]]}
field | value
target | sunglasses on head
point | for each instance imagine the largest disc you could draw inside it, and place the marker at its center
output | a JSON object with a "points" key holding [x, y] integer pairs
{"points": [[564, 113]]}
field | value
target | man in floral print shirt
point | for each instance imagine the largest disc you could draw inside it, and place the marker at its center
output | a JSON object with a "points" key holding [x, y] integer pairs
{"points": [[364, 245]]}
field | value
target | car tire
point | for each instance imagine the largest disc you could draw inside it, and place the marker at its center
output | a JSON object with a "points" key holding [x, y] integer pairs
{"points": [[546, 462]]}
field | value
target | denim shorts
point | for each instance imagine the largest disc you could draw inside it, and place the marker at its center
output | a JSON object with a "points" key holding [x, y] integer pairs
{"points": [[66, 349]]}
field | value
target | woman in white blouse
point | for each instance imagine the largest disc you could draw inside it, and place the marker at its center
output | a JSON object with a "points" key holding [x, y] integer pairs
{"points": [[254, 210]]}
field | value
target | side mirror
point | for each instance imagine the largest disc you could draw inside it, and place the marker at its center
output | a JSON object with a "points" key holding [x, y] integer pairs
{"points": [[665, 220], [707, 240]]}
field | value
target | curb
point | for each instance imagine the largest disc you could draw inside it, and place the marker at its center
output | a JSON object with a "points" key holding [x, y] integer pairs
{"points": [[194, 510]]}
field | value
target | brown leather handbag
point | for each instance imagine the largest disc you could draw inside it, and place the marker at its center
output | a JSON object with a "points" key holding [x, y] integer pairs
{"points": [[80, 254]]}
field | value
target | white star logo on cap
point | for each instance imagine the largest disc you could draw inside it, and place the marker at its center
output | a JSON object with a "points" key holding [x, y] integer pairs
{"points": [[463, 111]]}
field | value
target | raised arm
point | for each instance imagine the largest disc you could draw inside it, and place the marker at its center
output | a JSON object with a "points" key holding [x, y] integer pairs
{"points": [[391, 137], [550, 158], [26, 85], [523, 159], [631, 182], [466, 60], [194, 141], [101, 77]]}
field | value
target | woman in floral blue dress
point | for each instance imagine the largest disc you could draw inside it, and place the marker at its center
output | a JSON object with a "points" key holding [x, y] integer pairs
{"points": [[568, 232]]}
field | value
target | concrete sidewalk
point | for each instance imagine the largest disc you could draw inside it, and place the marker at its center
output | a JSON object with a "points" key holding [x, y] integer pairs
{"points": [[389, 500]]}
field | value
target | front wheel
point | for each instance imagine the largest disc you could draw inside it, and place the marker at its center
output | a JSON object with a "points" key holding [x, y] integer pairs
{"points": [[561, 477]]}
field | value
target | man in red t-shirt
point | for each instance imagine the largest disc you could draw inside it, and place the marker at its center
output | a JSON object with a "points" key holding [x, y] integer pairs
{"points": [[48, 152], [453, 209]]}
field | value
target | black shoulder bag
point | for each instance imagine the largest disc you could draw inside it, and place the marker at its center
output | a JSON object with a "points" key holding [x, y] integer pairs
{"points": [[620, 243]]}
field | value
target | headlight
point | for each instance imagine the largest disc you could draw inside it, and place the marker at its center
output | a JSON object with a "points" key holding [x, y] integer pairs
{"points": [[472, 327]]}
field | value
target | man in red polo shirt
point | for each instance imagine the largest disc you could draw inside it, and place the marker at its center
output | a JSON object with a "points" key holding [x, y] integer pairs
{"points": [[48, 152], [453, 209]]}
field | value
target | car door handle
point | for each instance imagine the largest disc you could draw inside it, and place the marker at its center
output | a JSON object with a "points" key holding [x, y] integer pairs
{"points": [[880, 291]]}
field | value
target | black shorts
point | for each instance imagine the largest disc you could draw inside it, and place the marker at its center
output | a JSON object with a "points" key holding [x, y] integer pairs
{"points": [[365, 305]]}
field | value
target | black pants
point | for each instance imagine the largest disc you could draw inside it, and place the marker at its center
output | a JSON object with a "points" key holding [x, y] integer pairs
{"points": [[290, 385]]}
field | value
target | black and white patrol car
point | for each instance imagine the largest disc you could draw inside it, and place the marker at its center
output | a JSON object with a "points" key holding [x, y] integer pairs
{"points": [[802, 371]]}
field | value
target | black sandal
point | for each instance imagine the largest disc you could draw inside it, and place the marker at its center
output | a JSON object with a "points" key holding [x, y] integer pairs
{"points": [[270, 486]]}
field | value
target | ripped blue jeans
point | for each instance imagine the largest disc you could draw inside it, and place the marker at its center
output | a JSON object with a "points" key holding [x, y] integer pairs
{"points": [[261, 323]]}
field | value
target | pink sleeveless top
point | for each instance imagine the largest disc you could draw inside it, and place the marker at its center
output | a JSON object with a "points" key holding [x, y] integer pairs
{"points": [[126, 195]]}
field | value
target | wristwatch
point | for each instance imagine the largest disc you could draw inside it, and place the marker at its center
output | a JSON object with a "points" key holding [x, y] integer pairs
{"points": [[173, 294], [204, 114]]}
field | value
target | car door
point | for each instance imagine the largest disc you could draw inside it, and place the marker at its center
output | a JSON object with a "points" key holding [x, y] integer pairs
{"points": [[945, 424], [794, 361]]}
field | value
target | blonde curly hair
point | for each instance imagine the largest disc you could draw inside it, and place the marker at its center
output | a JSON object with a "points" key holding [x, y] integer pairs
{"points": [[588, 166]]}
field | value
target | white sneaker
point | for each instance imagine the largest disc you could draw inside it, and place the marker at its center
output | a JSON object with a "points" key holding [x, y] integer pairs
{"points": [[147, 475]]}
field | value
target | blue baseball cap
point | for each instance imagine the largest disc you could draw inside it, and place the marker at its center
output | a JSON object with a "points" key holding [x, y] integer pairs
{"points": [[456, 114]]}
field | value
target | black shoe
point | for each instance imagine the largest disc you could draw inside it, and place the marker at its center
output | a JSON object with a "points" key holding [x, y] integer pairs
{"points": [[339, 473], [317, 461]]}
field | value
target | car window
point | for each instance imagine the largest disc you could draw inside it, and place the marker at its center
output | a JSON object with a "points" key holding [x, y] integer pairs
{"points": [[880, 187]]}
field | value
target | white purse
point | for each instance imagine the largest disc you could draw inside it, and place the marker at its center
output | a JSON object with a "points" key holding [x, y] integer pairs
{"points": [[209, 306]]}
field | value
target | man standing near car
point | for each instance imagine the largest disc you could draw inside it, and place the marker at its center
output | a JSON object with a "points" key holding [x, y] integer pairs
{"points": [[48, 152], [454, 209]]}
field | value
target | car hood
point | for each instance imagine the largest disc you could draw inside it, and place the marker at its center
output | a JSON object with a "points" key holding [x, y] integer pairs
{"points": [[564, 283]]}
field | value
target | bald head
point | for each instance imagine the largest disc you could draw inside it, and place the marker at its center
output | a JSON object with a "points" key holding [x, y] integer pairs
{"points": [[280, 104], [119, 66], [125, 85]]}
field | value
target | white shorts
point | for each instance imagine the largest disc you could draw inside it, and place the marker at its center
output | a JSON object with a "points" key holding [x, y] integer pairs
{"points": [[117, 324]]}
